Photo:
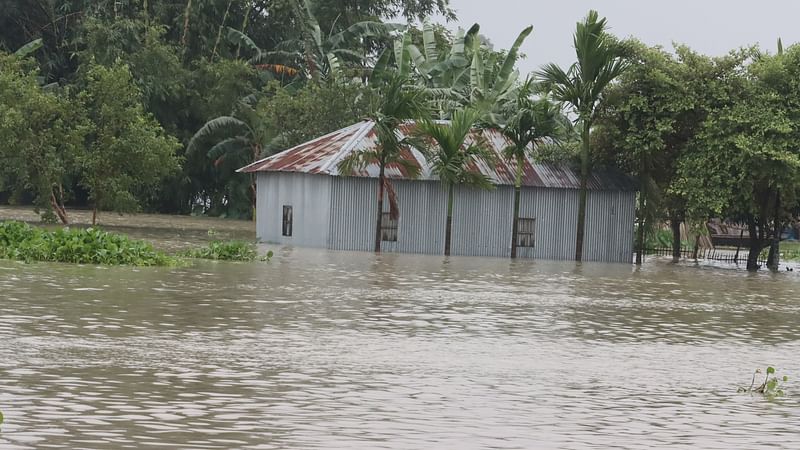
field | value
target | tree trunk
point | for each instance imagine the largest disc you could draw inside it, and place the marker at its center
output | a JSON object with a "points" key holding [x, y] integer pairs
{"points": [[517, 194], [773, 260], [247, 8], [449, 225], [58, 207], [186, 13], [379, 220], [675, 225], [219, 31], [640, 231], [755, 244], [583, 194], [94, 214]]}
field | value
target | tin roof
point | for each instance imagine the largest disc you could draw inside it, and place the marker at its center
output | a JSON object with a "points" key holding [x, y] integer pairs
{"points": [[322, 156]]}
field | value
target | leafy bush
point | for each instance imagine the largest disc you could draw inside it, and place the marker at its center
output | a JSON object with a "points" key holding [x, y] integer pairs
{"points": [[22, 242], [227, 251]]}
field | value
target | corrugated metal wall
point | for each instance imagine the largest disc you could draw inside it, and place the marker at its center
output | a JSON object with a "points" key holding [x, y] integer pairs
{"points": [[556, 214], [310, 199], [481, 219], [610, 217], [353, 213], [354, 210]]}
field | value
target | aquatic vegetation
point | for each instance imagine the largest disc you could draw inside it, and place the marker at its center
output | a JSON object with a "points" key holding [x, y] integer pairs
{"points": [[227, 251], [23, 242], [770, 388]]}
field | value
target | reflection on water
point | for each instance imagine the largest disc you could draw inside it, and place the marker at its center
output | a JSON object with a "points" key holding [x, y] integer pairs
{"points": [[322, 349]]}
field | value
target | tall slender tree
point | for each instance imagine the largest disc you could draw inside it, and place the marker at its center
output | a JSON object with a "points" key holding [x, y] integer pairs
{"points": [[456, 144], [599, 62], [528, 122], [397, 100]]}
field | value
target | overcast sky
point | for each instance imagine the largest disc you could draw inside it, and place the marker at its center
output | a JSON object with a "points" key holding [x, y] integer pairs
{"points": [[709, 26]]}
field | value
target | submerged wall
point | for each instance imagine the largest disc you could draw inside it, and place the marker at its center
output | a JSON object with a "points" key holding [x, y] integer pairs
{"points": [[340, 212]]}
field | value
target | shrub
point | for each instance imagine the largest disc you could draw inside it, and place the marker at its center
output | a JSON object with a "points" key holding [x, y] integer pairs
{"points": [[227, 251], [22, 242]]}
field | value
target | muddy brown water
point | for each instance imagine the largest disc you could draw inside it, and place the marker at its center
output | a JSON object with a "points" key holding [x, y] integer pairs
{"points": [[320, 349]]}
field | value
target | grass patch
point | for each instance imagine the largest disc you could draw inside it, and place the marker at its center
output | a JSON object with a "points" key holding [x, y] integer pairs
{"points": [[790, 251], [227, 251], [23, 242]]}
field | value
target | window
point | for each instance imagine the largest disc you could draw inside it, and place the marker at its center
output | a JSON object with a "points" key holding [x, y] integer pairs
{"points": [[287, 220], [388, 228], [525, 232]]}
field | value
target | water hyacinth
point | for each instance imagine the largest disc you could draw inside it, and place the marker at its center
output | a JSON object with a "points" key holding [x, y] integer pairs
{"points": [[23, 242], [227, 251]]}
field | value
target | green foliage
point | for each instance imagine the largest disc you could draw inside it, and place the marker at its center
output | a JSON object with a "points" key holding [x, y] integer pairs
{"points": [[41, 136], [790, 251], [294, 116], [453, 146], [772, 387], [22, 242], [228, 251], [128, 152], [599, 62]]}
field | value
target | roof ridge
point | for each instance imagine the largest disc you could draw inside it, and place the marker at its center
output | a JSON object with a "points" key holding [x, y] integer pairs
{"points": [[348, 146]]}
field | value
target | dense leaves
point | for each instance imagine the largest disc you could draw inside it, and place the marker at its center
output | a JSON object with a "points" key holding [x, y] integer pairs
{"points": [[82, 246], [41, 138], [127, 151], [227, 251]]}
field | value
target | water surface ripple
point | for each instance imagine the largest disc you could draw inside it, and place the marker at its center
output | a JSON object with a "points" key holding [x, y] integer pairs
{"points": [[321, 349]]}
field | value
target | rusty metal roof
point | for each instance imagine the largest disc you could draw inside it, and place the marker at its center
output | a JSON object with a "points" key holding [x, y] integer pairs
{"points": [[322, 156]]}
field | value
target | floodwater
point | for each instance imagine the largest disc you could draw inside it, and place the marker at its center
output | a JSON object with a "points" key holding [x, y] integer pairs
{"points": [[320, 349]]}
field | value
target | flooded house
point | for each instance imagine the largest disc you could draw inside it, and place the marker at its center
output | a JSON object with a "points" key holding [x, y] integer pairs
{"points": [[304, 200]]}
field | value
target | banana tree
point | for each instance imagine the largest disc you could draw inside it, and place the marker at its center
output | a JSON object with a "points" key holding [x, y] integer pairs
{"points": [[528, 123], [446, 148], [599, 62], [441, 73], [324, 56], [398, 99], [490, 83], [231, 142]]}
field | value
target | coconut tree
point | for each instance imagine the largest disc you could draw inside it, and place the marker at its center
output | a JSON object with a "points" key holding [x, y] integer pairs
{"points": [[599, 62], [396, 100], [528, 123], [449, 155]]}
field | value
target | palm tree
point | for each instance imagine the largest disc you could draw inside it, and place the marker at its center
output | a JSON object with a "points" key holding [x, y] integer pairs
{"points": [[397, 100], [450, 157], [599, 62], [528, 123]]}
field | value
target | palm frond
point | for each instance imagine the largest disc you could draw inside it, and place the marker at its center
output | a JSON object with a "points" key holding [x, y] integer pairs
{"points": [[220, 124]]}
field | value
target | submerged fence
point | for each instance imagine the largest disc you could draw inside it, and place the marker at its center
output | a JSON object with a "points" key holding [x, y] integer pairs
{"points": [[709, 254]]}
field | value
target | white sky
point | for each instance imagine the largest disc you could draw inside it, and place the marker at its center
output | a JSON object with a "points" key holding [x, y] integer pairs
{"points": [[712, 27]]}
